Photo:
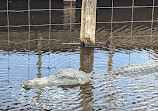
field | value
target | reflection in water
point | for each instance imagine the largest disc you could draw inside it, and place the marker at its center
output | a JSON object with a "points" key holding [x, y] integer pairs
{"points": [[86, 65], [39, 93], [86, 59], [69, 15], [154, 54], [39, 53], [86, 97], [107, 91], [110, 62]]}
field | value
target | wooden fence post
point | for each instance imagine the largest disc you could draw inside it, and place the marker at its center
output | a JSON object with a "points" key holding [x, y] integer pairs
{"points": [[88, 23]]}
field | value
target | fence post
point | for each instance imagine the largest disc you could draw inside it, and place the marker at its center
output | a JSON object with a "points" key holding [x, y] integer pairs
{"points": [[88, 23]]}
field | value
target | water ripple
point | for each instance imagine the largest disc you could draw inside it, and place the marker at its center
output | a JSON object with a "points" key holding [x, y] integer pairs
{"points": [[106, 92]]}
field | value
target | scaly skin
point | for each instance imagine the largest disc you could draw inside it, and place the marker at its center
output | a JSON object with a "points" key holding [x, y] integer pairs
{"points": [[66, 77], [136, 70]]}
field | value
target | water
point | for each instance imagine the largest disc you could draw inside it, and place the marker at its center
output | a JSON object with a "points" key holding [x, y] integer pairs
{"points": [[46, 52], [106, 92]]}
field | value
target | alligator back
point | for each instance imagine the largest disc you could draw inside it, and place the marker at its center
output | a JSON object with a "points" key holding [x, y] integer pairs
{"points": [[136, 70], [66, 77]]}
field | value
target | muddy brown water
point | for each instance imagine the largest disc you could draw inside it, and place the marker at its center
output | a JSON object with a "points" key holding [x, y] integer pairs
{"points": [[48, 51]]}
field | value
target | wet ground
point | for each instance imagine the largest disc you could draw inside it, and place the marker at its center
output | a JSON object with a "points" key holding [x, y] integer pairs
{"points": [[43, 50]]}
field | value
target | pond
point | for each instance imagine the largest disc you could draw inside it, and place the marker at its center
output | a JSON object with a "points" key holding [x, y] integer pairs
{"points": [[38, 42], [105, 92]]}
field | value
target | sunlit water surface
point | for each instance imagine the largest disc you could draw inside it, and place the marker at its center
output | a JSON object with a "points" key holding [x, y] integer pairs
{"points": [[106, 92]]}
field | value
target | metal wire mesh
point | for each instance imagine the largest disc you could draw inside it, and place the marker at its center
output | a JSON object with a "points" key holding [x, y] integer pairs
{"points": [[133, 10]]}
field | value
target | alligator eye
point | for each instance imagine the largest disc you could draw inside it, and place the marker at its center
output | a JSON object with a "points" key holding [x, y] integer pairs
{"points": [[24, 84]]}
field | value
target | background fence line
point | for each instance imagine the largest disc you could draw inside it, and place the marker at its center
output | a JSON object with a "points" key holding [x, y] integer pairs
{"points": [[29, 10]]}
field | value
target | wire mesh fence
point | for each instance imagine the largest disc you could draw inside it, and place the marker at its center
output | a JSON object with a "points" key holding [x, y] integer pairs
{"points": [[118, 21]]}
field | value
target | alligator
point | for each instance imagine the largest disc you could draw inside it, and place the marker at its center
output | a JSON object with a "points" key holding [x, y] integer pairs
{"points": [[66, 77], [136, 70]]}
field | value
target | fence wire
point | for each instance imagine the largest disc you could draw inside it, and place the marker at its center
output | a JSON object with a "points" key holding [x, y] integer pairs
{"points": [[113, 19]]}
